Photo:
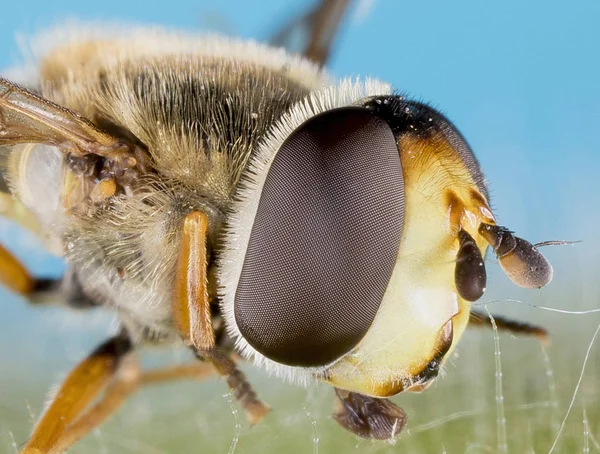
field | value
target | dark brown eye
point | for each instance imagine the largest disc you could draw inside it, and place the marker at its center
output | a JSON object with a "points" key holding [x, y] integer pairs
{"points": [[324, 241]]}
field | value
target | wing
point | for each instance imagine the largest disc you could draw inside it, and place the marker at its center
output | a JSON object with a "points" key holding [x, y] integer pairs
{"points": [[28, 118], [319, 25]]}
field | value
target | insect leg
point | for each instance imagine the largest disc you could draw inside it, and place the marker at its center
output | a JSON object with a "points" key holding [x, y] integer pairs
{"points": [[125, 383], [66, 290], [191, 312], [368, 417], [508, 325], [195, 371], [15, 276], [79, 389]]}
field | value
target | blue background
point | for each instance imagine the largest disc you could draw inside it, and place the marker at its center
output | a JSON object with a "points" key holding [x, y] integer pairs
{"points": [[519, 79]]}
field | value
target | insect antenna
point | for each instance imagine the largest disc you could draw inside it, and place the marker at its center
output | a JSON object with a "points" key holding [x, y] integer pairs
{"points": [[520, 260]]}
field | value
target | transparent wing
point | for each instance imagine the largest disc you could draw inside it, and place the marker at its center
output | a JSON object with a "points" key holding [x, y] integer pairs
{"points": [[28, 118], [316, 30]]}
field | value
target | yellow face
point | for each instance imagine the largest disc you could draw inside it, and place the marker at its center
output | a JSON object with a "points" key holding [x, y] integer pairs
{"points": [[312, 287], [422, 316]]}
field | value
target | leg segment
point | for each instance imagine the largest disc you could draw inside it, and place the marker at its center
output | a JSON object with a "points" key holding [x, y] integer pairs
{"points": [[196, 371], [66, 290], [76, 393], [72, 413], [14, 275], [368, 417], [125, 380], [123, 384], [508, 325], [191, 312]]}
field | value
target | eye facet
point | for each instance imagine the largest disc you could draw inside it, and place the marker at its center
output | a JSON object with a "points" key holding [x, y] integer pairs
{"points": [[324, 241]]}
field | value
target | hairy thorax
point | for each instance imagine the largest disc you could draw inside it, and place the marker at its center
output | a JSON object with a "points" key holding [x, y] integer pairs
{"points": [[197, 117]]}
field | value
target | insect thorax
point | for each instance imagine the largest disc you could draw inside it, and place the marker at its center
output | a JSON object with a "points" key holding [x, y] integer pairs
{"points": [[199, 118]]}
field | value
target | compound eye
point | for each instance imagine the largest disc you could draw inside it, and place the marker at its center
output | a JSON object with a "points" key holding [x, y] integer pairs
{"points": [[324, 241]]}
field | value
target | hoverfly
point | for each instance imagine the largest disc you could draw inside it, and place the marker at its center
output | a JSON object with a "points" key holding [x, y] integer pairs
{"points": [[231, 197]]}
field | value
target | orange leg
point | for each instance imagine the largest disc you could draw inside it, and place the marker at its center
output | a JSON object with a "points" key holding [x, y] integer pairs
{"points": [[191, 312], [125, 383], [111, 368], [112, 373], [14, 275], [511, 326], [196, 371], [76, 393], [66, 290]]}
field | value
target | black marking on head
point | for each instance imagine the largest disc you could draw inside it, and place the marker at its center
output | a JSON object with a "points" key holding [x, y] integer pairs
{"points": [[417, 118], [325, 239], [432, 369]]}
